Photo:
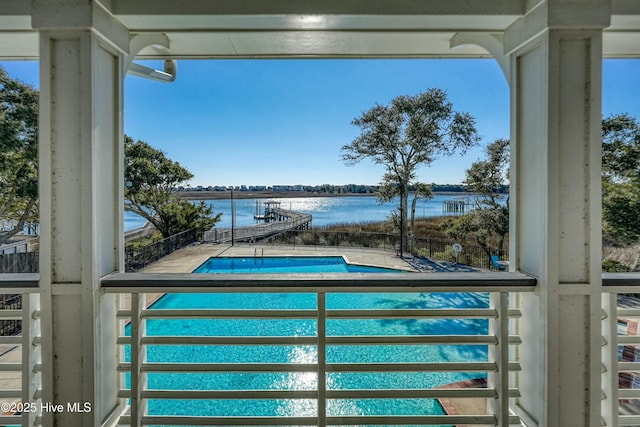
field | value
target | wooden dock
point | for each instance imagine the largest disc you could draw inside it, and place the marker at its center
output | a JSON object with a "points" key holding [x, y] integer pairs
{"points": [[284, 220], [459, 205]]}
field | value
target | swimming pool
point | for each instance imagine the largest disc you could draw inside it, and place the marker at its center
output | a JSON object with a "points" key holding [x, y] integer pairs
{"points": [[308, 354], [287, 264]]}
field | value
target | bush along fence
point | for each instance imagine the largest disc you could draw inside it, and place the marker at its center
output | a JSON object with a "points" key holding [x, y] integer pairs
{"points": [[441, 250], [135, 259]]}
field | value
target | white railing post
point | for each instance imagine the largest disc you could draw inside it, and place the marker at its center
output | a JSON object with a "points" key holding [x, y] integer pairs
{"points": [[138, 357], [322, 360], [499, 380], [31, 381], [610, 372]]}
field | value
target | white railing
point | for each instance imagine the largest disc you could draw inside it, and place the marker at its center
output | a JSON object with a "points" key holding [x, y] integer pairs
{"points": [[20, 358], [316, 398], [621, 349]]}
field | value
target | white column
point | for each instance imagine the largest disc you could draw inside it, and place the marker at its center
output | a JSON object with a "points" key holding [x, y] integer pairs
{"points": [[81, 204], [556, 54]]}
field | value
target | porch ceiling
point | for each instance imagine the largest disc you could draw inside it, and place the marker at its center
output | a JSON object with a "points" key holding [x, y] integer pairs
{"points": [[332, 28]]}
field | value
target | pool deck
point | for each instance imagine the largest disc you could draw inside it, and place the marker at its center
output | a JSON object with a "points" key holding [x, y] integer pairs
{"points": [[188, 259]]}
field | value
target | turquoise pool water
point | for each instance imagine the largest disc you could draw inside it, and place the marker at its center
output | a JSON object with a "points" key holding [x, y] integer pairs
{"points": [[308, 354], [325, 264]]}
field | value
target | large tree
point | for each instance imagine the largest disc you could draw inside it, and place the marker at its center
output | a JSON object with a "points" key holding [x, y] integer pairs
{"points": [[18, 154], [409, 132], [486, 179], [150, 180], [621, 178]]}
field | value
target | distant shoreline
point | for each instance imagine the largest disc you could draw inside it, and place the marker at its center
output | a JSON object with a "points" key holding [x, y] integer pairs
{"points": [[226, 195]]}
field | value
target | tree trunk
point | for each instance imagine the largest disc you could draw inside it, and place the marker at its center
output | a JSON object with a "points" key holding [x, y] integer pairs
{"points": [[21, 221], [403, 216], [412, 228], [636, 262]]}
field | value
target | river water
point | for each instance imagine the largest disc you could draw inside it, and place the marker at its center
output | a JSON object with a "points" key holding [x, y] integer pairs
{"points": [[325, 210]]}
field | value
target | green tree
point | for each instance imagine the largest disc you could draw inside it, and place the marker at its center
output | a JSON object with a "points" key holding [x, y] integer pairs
{"points": [[18, 154], [621, 178], [486, 179], [150, 179], [409, 132]]}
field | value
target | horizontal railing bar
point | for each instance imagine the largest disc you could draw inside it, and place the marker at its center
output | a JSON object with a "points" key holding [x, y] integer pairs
{"points": [[628, 339], [628, 312], [411, 393], [224, 340], [629, 393], [622, 281], [310, 314], [309, 367], [311, 421], [628, 420], [224, 421], [418, 420], [628, 366], [19, 283], [10, 314], [448, 393], [412, 339], [312, 340], [229, 314], [312, 282], [222, 367], [472, 313], [10, 367], [123, 314], [418, 367], [10, 393], [13, 339], [10, 419], [229, 394], [513, 313]]}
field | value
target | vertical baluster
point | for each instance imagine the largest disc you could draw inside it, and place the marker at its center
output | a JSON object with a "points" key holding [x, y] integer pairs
{"points": [[138, 357], [322, 360], [499, 380], [610, 359], [31, 382]]}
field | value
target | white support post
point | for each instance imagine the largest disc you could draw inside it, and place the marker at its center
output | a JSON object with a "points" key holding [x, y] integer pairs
{"points": [[81, 203], [556, 54]]}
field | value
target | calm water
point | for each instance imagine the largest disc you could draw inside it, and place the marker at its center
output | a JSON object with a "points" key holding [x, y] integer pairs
{"points": [[325, 210], [308, 354]]}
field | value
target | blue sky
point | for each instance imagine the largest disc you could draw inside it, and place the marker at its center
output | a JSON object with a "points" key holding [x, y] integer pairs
{"points": [[266, 122]]}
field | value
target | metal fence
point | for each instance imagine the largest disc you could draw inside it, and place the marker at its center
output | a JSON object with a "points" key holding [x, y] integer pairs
{"points": [[137, 258], [474, 256], [23, 262]]}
